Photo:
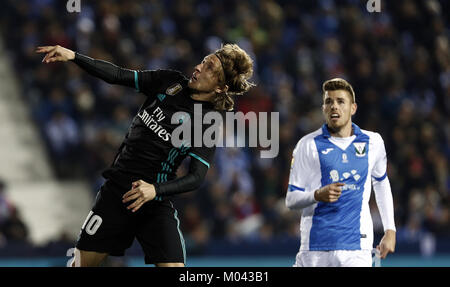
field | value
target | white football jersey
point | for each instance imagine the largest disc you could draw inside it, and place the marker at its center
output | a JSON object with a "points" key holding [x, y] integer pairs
{"points": [[319, 160]]}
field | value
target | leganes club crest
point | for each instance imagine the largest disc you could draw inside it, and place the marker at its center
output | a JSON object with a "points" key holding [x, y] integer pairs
{"points": [[360, 149]]}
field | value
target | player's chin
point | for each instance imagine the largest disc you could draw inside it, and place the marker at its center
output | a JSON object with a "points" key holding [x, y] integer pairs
{"points": [[333, 124], [192, 84]]}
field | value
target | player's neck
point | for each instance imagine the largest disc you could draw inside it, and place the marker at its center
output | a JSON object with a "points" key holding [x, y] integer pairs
{"points": [[343, 132], [201, 96]]}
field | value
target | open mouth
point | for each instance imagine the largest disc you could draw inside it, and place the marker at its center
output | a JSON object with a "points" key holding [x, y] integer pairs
{"points": [[194, 77], [334, 116]]}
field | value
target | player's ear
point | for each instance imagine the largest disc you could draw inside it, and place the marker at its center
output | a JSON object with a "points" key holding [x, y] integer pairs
{"points": [[220, 90], [354, 108]]}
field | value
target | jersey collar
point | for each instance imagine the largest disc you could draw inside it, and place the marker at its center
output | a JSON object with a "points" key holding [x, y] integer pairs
{"points": [[326, 133]]}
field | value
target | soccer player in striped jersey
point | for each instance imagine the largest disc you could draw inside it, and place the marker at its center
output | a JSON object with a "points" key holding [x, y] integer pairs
{"points": [[134, 202], [332, 173]]}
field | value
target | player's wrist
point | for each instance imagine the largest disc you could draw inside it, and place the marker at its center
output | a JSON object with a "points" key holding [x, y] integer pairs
{"points": [[71, 55], [316, 195], [157, 189]]}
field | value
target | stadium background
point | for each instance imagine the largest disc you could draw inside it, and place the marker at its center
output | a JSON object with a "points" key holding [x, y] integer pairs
{"points": [[60, 127]]}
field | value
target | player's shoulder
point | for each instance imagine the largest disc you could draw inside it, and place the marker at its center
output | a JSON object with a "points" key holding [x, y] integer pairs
{"points": [[307, 140], [172, 75], [374, 136]]}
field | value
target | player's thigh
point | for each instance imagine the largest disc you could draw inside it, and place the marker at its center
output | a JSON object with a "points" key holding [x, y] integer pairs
{"points": [[108, 227], [354, 258], [87, 258], [307, 258], [160, 236]]}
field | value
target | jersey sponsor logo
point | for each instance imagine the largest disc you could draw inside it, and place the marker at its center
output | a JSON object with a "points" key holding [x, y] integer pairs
{"points": [[327, 150], [174, 89], [360, 149], [334, 175], [152, 122]]}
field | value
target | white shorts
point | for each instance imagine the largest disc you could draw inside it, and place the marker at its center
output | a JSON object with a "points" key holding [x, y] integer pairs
{"points": [[334, 258]]}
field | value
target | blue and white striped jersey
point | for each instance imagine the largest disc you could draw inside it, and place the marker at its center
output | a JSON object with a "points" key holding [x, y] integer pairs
{"points": [[357, 161]]}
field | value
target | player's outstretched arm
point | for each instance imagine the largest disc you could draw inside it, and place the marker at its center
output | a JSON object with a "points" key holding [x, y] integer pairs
{"points": [[98, 68], [55, 54]]}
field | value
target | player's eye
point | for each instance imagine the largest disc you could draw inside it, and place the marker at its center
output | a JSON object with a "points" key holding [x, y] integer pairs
{"points": [[208, 66]]}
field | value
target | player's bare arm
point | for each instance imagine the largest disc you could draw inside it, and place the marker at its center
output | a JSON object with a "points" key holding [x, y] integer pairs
{"points": [[329, 193]]}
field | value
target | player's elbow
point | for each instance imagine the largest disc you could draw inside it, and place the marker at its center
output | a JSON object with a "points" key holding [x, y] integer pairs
{"points": [[197, 181], [196, 185], [297, 200], [289, 201]]}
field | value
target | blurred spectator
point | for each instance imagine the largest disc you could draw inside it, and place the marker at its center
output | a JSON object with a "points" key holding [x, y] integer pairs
{"points": [[62, 134], [12, 227], [6, 207]]}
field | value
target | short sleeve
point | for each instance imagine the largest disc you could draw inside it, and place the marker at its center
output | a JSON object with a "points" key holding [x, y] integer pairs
{"points": [[203, 154], [380, 165], [301, 172], [150, 81]]}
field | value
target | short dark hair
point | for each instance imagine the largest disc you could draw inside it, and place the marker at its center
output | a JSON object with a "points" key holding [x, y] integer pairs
{"points": [[338, 84]]}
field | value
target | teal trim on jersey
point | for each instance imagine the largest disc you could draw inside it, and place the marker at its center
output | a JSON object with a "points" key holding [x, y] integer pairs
{"points": [[181, 235], [161, 97], [199, 158], [136, 85], [170, 162], [158, 180]]}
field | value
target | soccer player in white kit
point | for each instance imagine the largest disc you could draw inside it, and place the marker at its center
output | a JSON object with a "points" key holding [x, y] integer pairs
{"points": [[332, 172]]}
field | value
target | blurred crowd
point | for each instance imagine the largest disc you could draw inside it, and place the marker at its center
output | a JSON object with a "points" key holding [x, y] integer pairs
{"points": [[12, 227], [398, 62]]}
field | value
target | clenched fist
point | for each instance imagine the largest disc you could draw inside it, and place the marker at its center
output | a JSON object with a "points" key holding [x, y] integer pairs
{"points": [[329, 193]]}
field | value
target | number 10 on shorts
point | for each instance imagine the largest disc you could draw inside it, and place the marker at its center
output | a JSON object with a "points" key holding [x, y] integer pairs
{"points": [[92, 223]]}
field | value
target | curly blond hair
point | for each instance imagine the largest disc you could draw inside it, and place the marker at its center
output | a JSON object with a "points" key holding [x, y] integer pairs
{"points": [[237, 69]]}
